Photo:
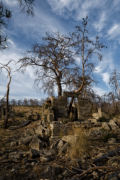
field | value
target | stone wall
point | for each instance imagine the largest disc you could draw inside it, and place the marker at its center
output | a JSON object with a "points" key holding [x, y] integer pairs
{"points": [[56, 109], [84, 108]]}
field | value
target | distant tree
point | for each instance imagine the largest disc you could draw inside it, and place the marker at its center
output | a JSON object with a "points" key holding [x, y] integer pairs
{"points": [[13, 102], [25, 102], [54, 62], [33, 102], [19, 102], [7, 68], [115, 83]]}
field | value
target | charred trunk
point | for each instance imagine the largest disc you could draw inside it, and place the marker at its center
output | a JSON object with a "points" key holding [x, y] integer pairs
{"points": [[7, 103], [59, 87]]}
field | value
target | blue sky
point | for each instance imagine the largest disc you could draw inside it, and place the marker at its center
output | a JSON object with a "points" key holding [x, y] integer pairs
{"points": [[61, 15]]}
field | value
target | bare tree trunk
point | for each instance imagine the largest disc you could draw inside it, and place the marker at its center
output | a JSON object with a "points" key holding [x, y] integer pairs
{"points": [[76, 92], [7, 101], [59, 87]]}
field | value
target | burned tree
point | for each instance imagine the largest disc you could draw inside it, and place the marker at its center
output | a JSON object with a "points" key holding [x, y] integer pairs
{"points": [[115, 84], [54, 62], [85, 49], [8, 70]]}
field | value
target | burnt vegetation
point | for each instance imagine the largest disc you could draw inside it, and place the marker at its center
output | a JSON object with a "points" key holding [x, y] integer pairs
{"points": [[72, 134]]}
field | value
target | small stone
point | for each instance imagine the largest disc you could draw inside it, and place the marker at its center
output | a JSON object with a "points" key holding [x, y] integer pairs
{"points": [[12, 170]]}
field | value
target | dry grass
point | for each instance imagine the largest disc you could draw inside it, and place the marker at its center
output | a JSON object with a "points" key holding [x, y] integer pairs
{"points": [[79, 143], [27, 109]]}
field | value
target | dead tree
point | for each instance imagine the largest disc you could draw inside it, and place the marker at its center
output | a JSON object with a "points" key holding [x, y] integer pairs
{"points": [[115, 83], [8, 70], [85, 49], [53, 62]]}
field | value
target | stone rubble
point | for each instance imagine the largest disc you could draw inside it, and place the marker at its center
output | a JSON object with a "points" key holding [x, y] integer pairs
{"points": [[41, 151]]}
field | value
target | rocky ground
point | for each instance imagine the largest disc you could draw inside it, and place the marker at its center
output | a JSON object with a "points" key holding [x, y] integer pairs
{"points": [[27, 152]]}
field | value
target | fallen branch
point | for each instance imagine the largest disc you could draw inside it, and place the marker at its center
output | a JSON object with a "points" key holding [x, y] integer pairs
{"points": [[21, 126], [85, 172], [107, 156]]}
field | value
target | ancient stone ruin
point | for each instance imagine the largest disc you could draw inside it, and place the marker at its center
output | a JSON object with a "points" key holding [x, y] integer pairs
{"points": [[56, 109]]}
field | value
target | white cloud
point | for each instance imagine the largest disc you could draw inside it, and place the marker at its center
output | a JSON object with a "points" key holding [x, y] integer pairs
{"points": [[11, 2], [35, 27], [99, 91], [106, 77], [59, 5], [99, 25], [22, 84], [81, 8], [106, 65], [114, 31]]}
